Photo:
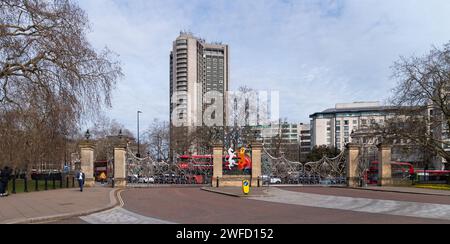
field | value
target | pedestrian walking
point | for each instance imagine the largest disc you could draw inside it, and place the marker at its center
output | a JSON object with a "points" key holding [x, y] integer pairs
{"points": [[1, 182], [81, 177], [4, 178]]}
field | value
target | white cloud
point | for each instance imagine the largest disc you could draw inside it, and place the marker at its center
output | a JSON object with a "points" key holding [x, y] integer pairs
{"points": [[317, 53]]}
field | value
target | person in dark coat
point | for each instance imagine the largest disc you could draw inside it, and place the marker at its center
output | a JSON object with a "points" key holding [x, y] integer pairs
{"points": [[4, 178], [81, 177], [1, 182]]}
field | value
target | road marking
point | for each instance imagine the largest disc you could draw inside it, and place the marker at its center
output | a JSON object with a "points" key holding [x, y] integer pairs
{"points": [[120, 198], [120, 215]]}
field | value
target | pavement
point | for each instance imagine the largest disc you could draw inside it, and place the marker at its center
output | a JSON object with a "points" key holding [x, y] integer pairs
{"points": [[360, 204], [196, 205], [412, 190], [119, 215], [397, 189], [46, 206]]}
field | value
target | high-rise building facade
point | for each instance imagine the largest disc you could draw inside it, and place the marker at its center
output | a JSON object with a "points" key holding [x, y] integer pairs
{"points": [[291, 139], [304, 139], [196, 68]]}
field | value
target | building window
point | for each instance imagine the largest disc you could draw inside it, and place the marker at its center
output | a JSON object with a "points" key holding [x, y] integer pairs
{"points": [[338, 122], [345, 122], [338, 128], [364, 122], [355, 122]]}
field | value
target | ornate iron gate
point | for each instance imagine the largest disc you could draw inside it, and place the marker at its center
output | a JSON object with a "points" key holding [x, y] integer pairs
{"points": [[141, 171], [325, 171]]}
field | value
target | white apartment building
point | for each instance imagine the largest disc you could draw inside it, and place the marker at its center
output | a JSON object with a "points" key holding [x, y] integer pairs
{"points": [[294, 139], [333, 127]]}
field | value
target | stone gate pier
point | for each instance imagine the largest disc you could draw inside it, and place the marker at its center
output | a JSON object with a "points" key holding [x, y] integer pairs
{"points": [[221, 180], [87, 162]]}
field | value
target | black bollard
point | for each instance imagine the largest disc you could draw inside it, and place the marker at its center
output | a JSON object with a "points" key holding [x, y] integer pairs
{"points": [[53, 179], [25, 184], [217, 182], [67, 182], [14, 185], [73, 182], [60, 182], [46, 182], [36, 186], [259, 182]]}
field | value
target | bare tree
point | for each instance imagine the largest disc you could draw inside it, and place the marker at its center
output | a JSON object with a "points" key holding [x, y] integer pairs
{"points": [[157, 137], [422, 97], [105, 132], [50, 78]]}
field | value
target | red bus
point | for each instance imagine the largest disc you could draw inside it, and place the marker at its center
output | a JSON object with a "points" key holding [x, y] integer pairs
{"points": [[198, 165], [436, 176], [398, 169], [203, 161]]}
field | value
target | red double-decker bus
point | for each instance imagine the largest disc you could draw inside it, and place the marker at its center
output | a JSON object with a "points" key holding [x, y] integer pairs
{"points": [[398, 170], [200, 165]]}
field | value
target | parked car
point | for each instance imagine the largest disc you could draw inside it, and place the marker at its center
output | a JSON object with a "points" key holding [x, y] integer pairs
{"points": [[275, 180], [146, 180]]}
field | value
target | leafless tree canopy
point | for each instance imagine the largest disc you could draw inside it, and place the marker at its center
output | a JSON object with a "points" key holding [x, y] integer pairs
{"points": [[422, 100], [50, 76], [157, 139], [105, 133]]}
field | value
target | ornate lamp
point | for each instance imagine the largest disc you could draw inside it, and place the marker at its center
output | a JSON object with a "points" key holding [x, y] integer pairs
{"points": [[120, 134]]}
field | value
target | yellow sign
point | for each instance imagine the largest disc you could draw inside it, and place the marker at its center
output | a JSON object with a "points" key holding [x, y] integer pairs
{"points": [[246, 186]]}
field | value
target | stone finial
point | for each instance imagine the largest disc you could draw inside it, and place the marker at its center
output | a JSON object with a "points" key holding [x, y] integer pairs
{"points": [[353, 146]]}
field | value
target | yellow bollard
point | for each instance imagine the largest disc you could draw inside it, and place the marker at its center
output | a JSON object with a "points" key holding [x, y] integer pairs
{"points": [[246, 187]]}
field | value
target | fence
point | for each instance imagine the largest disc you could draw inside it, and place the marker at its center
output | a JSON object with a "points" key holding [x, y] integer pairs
{"points": [[41, 182]]}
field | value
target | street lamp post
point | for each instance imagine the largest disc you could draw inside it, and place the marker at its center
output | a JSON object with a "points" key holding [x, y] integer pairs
{"points": [[138, 151]]}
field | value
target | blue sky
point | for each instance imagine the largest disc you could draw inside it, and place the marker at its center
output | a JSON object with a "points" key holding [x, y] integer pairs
{"points": [[316, 53]]}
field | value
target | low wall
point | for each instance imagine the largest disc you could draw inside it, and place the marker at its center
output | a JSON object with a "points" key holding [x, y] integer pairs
{"points": [[236, 181]]}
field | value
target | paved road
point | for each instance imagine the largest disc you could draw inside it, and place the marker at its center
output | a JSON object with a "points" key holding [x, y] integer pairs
{"points": [[193, 206], [283, 205], [361, 193]]}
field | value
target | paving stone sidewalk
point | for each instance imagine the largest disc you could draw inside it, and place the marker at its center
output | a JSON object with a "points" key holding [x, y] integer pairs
{"points": [[120, 215], [51, 205], [412, 190], [399, 208]]}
